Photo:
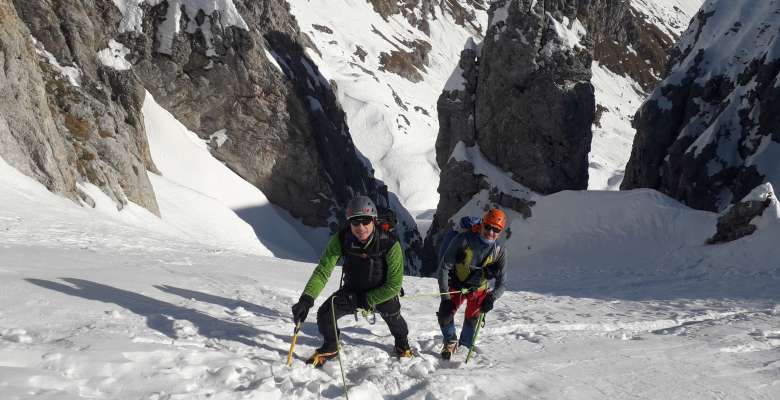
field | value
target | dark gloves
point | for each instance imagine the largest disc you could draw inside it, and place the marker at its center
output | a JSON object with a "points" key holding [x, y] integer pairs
{"points": [[301, 309], [487, 303], [445, 307]]}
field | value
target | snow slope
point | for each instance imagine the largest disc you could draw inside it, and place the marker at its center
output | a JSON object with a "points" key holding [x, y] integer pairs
{"points": [[392, 120], [203, 197], [94, 307]]}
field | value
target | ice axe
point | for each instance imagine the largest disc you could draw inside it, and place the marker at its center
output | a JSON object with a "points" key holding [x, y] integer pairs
{"points": [[292, 343]]}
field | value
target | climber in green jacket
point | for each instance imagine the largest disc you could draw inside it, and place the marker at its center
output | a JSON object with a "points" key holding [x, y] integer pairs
{"points": [[372, 278]]}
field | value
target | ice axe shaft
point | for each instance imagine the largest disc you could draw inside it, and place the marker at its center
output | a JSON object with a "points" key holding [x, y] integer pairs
{"points": [[292, 344], [474, 338]]}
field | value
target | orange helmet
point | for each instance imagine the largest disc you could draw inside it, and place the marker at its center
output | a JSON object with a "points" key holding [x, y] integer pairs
{"points": [[495, 217]]}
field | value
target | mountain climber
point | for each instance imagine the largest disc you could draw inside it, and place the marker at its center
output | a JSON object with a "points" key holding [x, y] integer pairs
{"points": [[472, 259], [372, 277]]}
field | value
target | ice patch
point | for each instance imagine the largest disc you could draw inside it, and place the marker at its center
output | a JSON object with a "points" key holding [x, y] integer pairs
{"points": [[570, 32], [219, 137], [228, 15], [270, 57], [114, 56], [72, 74]]}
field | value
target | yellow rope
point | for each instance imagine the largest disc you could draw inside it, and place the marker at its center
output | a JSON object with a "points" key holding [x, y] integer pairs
{"points": [[420, 295]]}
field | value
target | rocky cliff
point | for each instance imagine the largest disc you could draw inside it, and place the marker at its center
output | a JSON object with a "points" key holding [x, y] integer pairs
{"points": [[525, 96], [709, 133], [66, 119], [234, 72]]}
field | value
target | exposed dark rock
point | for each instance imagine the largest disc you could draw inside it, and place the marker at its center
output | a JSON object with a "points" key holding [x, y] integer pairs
{"points": [[615, 27], [735, 223], [419, 12], [457, 107], [323, 29], [361, 53], [535, 103], [704, 134], [407, 63], [507, 201]]}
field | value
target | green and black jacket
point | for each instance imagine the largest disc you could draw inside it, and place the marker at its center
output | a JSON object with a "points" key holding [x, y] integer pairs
{"points": [[375, 268]]}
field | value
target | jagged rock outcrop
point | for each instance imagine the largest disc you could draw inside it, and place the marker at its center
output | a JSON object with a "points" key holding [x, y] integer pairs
{"points": [[710, 132], [535, 103], [234, 72], [64, 117], [525, 98], [284, 131], [742, 218]]}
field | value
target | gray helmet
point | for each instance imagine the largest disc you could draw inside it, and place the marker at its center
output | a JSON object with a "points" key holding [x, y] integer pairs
{"points": [[361, 206]]}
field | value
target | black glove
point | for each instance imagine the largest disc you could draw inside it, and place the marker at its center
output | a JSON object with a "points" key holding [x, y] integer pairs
{"points": [[487, 304], [357, 300], [301, 309], [445, 307]]}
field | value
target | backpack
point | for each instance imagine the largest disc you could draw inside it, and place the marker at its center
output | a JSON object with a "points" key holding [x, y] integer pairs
{"points": [[466, 224], [386, 219]]}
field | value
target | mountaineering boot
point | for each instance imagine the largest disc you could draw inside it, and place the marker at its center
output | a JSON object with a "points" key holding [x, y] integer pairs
{"points": [[449, 349], [319, 358], [402, 349]]}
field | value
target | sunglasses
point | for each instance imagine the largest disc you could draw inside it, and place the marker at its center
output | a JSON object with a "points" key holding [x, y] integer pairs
{"points": [[491, 228], [361, 221]]}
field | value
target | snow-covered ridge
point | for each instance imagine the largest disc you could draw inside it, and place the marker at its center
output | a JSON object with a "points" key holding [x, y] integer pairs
{"points": [[730, 37], [720, 92], [672, 16]]}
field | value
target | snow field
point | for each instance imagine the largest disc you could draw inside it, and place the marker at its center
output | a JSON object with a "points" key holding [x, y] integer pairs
{"points": [[93, 307], [219, 327]]}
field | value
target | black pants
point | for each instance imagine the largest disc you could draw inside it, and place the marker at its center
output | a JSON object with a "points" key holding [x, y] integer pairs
{"points": [[390, 311]]}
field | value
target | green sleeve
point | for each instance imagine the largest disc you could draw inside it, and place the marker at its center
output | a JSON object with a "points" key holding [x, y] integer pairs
{"points": [[321, 274], [395, 277]]}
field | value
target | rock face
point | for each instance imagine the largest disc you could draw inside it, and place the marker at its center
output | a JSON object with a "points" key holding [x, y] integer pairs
{"points": [[285, 132], [710, 132], [535, 103], [64, 117], [740, 220], [524, 98], [234, 72]]}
